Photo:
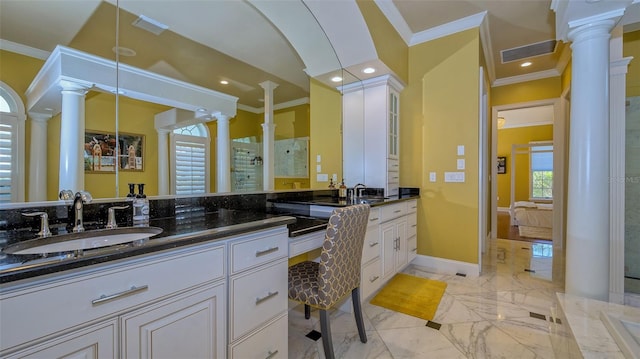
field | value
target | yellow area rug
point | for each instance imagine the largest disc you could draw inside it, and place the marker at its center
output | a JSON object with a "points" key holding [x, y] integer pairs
{"points": [[415, 296]]}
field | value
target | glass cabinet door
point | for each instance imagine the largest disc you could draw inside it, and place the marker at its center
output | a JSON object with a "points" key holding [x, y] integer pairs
{"points": [[393, 125]]}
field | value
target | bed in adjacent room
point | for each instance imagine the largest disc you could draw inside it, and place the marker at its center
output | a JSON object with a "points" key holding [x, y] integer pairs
{"points": [[534, 220]]}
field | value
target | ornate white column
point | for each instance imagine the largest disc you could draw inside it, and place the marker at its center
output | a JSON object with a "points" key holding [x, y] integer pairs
{"points": [[587, 256], [617, 97], [38, 157], [71, 175], [223, 156], [163, 161], [268, 138]]}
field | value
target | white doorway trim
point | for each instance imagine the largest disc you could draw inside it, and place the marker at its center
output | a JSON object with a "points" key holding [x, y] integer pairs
{"points": [[559, 149], [484, 177]]}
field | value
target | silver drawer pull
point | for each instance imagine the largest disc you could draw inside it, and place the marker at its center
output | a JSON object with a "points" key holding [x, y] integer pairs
{"points": [[373, 244], [415, 249], [397, 211], [414, 225], [374, 219], [267, 251], [269, 295], [271, 354], [125, 293], [374, 278]]}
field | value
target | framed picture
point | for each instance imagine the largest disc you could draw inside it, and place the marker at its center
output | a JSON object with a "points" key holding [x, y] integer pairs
{"points": [[100, 152], [502, 165]]}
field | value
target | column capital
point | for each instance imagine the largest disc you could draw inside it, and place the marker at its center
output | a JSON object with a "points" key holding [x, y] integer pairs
{"points": [[589, 30], [269, 85], [575, 14], [75, 87], [40, 117], [222, 117]]}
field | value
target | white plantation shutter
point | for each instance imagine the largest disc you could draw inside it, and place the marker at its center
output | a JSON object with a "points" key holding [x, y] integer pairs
{"points": [[189, 160], [190, 167], [7, 133]]}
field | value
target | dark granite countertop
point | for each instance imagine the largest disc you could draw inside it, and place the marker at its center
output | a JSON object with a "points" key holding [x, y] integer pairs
{"points": [[195, 227], [186, 228]]}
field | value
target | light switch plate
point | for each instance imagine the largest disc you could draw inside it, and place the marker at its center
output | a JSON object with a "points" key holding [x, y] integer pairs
{"points": [[335, 178], [318, 158], [454, 176], [318, 168], [460, 150], [460, 164], [432, 176], [322, 177]]}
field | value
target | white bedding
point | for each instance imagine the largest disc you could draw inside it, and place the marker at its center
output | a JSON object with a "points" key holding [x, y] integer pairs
{"points": [[534, 219]]}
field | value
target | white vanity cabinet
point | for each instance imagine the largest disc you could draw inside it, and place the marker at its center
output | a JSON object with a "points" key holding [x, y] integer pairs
{"points": [[258, 284], [85, 308], [412, 229], [371, 275], [371, 133]]}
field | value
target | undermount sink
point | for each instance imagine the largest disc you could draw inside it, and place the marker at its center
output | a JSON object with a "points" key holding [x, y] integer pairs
{"points": [[370, 199], [82, 240]]}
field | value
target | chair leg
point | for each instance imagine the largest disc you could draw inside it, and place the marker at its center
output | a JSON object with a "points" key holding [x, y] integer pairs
{"points": [[325, 330], [307, 311], [357, 311]]}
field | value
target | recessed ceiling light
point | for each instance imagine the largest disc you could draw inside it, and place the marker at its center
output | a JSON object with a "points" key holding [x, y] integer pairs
{"points": [[201, 109], [123, 51], [224, 82], [336, 79], [525, 64], [48, 109], [119, 92], [369, 70]]}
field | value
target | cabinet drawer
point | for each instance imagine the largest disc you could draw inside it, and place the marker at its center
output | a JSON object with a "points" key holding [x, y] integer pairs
{"points": [[269, 342], [393, 189], [392, 211], [257, 249], [412, 206], [412, 225], [306, 243], [257, 296], [393, 177], [393, 165], [103, 291], [412, 247], [374, 216], [371, 279], [371, 246]]}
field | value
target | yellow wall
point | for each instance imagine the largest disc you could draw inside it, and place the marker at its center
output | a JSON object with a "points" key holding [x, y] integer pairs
{"points": [[391, 48], [527, 91], [441, 103], [325, 132], [506, 138], [631, 47]]}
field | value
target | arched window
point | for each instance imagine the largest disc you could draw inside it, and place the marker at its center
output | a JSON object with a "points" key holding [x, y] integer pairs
{"points": [[190, 160], [12, 150]]}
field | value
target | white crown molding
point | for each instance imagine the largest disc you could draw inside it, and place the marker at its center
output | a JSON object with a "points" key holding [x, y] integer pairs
{"points": [[24, 49], [450, 28], [388, 79], [392, 14], [524, 78]]}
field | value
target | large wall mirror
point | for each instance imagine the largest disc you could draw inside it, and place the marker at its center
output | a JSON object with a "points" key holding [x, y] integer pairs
{"points": [[235, 48]]}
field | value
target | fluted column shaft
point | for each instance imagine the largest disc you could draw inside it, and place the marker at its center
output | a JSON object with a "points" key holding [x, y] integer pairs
{"points": [[38, 157], [268, 139], [223, 156]]}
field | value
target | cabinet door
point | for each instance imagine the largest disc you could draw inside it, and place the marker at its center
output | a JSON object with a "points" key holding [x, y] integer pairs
{"points": [[188, 326], [393, 130], [94, 342], [389, 245], [401, 247]]}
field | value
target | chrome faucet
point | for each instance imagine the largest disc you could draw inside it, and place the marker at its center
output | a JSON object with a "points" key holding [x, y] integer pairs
{"points": [[44, 223], [358, 189], [79, 200]]}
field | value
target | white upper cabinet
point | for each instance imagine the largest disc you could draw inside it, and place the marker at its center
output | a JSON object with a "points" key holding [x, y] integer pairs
{"points": [[371, 133]]}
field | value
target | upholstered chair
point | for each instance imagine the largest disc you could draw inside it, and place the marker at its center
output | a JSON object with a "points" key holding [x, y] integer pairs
{"points": [[321, 285]]}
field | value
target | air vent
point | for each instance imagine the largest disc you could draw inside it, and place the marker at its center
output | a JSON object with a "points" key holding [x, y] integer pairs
{"points": [[149, 24], [523, 52]]}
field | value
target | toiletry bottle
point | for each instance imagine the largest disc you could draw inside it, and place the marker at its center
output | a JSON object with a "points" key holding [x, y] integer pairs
{"points": [[331, 185], [342, 191], [141, 208], [131, 195]]}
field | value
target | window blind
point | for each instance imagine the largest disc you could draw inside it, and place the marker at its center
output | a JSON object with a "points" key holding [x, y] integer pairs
{"points": [[7, 133], [190, 168], [542, 158]]}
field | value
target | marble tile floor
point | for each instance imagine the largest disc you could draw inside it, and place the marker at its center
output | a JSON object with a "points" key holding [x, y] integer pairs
{"points": [[483, 317]]}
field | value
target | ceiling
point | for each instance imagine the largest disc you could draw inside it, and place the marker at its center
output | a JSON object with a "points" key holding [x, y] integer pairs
{"points": [[210, 41]]}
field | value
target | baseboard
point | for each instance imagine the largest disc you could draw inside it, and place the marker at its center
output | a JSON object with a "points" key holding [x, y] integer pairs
{"points": [[443, 265]]}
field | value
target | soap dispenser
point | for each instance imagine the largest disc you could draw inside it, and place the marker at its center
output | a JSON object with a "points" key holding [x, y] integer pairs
{"points": [[131, 195], [342, 191], [141, 208]]}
